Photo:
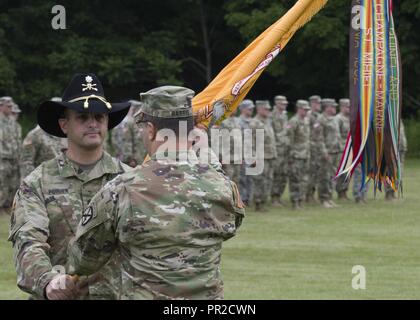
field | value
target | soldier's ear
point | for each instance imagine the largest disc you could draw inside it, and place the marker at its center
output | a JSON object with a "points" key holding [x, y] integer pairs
{"points": [[151, 131], [63, 122]]}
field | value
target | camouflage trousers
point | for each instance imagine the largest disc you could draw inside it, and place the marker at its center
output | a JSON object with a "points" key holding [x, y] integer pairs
{"points": [[246, 183], [263, 182], [233, 171], [279, 175], [9, 181], [298, 179], [326, 177], [358, 192], [313, 176], [341, 184]]}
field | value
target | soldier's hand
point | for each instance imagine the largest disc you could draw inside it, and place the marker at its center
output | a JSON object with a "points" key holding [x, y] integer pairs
{"points": [[61, 287]]}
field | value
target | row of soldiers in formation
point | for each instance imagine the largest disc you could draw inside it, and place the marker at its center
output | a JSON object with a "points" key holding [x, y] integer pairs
{"points": [[304, 151]]}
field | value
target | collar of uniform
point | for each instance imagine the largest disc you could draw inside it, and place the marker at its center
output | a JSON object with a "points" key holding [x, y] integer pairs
{"points": [[107, 165], [183, 155], [261, 118]]}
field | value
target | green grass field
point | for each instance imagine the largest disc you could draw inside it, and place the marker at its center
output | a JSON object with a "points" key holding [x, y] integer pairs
{"points": [[283, 254]]}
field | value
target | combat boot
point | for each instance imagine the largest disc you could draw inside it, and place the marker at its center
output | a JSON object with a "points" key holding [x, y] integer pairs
{"points": [[259, 207], [390, 196], [326, 204], [333, 204], [275, 202], [310, 198], [342, 195], [295, 206], [301, 206]]}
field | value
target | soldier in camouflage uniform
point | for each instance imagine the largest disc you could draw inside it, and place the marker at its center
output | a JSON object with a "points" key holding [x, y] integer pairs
{"points": [[318, 151], [343, 120], [168, 218], [39, 146], [51, 200], [331, 133], [359, 193], [127, 140], [402, 147], [280, 119], [9, 153], [263, 182], [230, 146], [246, 182], [14, 183], [298, 130]]}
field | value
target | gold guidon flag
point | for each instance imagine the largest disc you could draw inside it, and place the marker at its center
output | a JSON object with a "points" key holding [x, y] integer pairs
{"points": [[223, 95]]}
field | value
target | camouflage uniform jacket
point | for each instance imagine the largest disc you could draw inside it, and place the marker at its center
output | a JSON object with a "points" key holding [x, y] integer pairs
{"points": [[331, 133], [8, 136], [46, 212], [344, 126], [229, 143], [38, 146], [270, 150], [316, 134], [168, 220], [298, 133], [18, 141], [280, 130], [127, 141]]}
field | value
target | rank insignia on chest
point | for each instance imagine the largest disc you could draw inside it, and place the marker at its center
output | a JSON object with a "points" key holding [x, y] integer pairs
{"points": [[87, 216]]}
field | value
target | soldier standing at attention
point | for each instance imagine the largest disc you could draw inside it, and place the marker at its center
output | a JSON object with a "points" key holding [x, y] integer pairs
{"points": [[246, 182], [263, 182], [280, 165], [39, 146], [343, 120], [318, 151], [299, 154], [50, 201], [8, 154], [331, 134], [168, 218], [17, 142], [230, 144]]}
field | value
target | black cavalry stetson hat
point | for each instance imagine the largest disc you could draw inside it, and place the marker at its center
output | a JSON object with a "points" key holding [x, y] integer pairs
{"points": [[83, 94]]}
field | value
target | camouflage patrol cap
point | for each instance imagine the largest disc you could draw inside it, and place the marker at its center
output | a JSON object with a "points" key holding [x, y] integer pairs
{"points": [[315, 98], [303, 104], [328, 102], [281, 98], [263, 103], [15, 108], [167, 102], [344, 102], [246, 104], [6, 99]]}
